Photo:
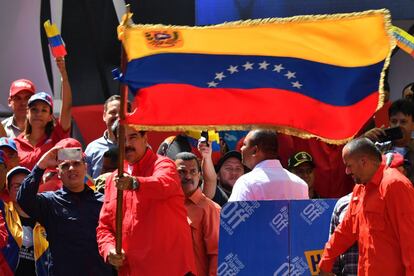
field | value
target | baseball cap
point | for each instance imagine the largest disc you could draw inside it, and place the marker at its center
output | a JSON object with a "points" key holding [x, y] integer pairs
{"points": [[41, 96], [16, 170], [8, 142], [300, 158], [227, 155], [21, 85], [69, 143]]}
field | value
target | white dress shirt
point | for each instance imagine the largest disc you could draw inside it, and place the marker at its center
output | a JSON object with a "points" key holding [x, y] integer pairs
{"points": [[269, 181]]}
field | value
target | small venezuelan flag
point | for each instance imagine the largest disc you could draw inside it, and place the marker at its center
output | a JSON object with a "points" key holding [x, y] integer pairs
{"points": [[405, 41], [55, 40]]}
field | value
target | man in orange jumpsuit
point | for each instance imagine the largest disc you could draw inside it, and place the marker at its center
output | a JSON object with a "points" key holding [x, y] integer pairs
{"points": [[380, 216]]}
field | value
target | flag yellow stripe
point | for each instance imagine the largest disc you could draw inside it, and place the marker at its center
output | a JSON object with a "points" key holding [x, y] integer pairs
{"points": [[349, 40], [51, 29]]}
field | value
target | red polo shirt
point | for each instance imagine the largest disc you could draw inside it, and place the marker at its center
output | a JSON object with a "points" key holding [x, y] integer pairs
{"points": [[29, 155], [156, 236], [381, 218]]}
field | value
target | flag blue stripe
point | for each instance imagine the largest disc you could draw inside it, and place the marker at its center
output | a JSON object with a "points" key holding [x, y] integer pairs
{"points": [[335, 85]]}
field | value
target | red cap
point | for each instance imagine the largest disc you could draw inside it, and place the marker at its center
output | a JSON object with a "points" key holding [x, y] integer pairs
{"points": [[69, 143], [21, 85]]}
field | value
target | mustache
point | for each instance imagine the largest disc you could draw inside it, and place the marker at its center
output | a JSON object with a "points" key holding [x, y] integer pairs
{"points": [[129, 149], [187, 181]]}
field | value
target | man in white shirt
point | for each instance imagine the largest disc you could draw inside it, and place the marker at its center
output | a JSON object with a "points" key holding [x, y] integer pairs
{"points": [[268, 180]]}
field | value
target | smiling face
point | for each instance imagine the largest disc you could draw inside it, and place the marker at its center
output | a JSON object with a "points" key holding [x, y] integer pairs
{"points": [[72, 173], [229, 172], [39, 114], [111, 113]]}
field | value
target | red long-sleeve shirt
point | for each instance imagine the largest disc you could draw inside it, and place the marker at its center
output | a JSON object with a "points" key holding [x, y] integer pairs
{"points": [[156, 236], [381, 218]]}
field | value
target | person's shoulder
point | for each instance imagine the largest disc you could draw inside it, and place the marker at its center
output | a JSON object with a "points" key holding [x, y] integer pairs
{"points": [[394, 180], [208, 203], [247, 178], [296, 179], [92, 146]]}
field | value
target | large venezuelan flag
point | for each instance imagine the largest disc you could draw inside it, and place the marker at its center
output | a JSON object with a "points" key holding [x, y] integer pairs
{"points": [[313, 76]]}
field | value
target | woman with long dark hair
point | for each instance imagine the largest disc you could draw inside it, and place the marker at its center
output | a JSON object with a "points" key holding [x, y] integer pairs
{"points": [[42, 130]]}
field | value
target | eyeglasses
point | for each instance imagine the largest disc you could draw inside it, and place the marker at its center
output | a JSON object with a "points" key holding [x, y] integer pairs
{"points": [[66, 165]]}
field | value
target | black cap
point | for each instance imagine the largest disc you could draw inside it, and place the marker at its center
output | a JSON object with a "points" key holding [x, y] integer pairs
{"points": [[300, 158], [226, 156]]}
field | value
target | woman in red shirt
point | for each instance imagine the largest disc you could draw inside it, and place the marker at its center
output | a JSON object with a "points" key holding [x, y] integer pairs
{"points": [[42, 130]]}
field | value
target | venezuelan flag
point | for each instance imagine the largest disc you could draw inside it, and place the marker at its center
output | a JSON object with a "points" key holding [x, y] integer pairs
{"points": [[312, 76], [55, 40]]}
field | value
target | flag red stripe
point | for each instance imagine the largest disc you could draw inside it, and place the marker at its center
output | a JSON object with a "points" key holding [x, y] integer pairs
{"points": [[194, 106]]}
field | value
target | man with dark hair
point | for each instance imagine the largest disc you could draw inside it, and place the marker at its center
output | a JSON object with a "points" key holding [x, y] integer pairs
{"points": [[109, 165], [95, 150], [20, 92], [301, 163], [380, 216], [401, 114], [203, 215], [156, 238], [229, 168], [70, 215], [268, 180]]}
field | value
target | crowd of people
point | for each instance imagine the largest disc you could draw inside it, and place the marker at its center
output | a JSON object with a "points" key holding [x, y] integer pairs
{"points": [[58, 211]]}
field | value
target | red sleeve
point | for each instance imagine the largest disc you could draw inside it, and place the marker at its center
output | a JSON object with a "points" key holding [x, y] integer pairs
{"points": [[399, 202], [342, 238], [105, 232], [58, 133], [163, 183], [3, 231]]}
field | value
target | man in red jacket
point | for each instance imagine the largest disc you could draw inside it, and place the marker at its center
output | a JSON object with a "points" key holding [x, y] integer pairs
{"points": [[156, 238], [380, 216]]}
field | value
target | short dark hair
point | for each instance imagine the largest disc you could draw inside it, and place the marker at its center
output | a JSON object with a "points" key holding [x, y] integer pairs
{"points": [[364, 146], [116, 98], [188, 156], [404, 106], [266, 141]]}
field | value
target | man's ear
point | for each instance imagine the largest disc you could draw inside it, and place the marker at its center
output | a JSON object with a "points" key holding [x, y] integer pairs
{"points": [[255, 150]]}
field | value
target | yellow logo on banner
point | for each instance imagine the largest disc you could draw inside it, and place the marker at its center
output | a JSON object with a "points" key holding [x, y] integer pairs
{"points": [[163, 39], [313, 257]]}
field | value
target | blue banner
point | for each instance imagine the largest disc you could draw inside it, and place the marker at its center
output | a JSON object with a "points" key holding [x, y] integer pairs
{"points": [[219, 11], [278, 238]]}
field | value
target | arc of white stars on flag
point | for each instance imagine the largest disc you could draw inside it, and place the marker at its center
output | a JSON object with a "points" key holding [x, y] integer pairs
{"points": [[232, 69]]}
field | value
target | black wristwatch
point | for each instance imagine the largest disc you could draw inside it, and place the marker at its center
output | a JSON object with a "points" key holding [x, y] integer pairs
{"points": [[135, 183]]}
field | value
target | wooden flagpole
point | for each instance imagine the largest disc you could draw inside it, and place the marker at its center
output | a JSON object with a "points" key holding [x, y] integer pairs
{"points": [[121, 144]]}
